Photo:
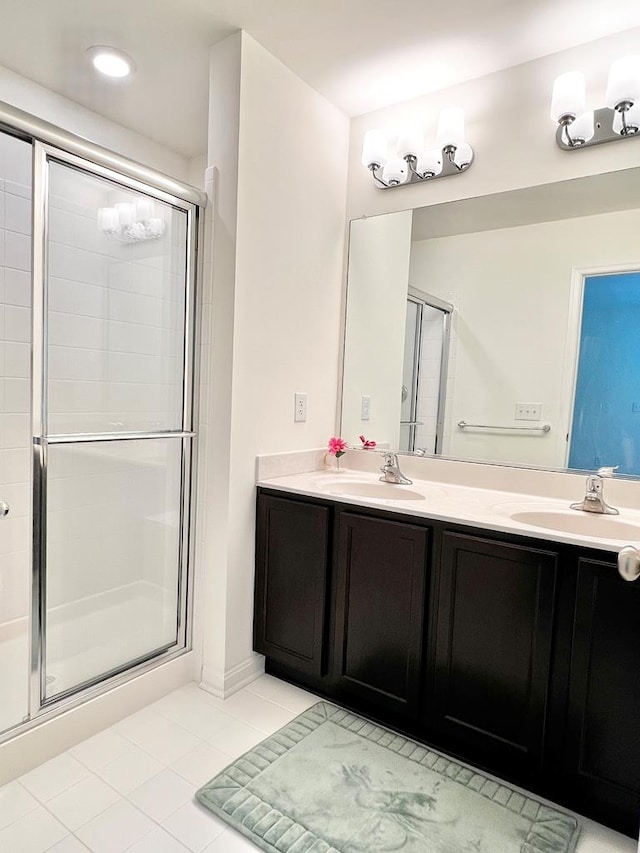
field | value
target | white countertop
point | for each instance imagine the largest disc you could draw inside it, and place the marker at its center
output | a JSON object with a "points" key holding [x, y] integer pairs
{"points": [[488, 509]]}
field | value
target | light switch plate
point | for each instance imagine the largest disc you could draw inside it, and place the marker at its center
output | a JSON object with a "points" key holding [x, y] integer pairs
{"points": [[365, 408]]}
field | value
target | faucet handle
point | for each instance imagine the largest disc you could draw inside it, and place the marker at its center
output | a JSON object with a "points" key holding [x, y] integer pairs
{"points": [[594, 483], [607, 471]]}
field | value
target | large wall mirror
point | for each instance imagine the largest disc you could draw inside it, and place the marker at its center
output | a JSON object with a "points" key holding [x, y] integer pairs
{"points": [[504, 328]]}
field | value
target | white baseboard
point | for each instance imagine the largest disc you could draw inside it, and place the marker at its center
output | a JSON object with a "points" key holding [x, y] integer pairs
{"points": [[234, 679]]}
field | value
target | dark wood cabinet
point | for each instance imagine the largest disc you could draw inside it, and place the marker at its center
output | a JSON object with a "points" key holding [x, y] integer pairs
{"points": [[488, 673], [512, 653], [292, 547], [380, 582], [601, 761]]}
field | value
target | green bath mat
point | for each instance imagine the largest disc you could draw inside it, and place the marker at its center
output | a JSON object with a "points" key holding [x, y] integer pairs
{"points": [[332, 782]]}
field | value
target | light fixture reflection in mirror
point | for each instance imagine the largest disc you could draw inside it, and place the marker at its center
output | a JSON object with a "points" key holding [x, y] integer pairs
{"points": [[514, 267]]}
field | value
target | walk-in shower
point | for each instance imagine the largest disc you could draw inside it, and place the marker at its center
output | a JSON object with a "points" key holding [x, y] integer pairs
{"points": [[97, 332]]}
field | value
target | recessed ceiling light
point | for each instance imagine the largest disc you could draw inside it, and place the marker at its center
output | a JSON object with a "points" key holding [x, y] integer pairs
{"points": [[110, 60]]}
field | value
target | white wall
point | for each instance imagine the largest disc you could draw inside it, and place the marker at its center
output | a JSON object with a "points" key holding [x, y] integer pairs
{"points": [[512, 290], [45, 104], [508, 126], [377, 284], [285, 314]]}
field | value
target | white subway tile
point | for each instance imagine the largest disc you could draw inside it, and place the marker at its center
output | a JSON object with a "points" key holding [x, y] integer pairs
{"points": [[17, 359], [74, 363], [17, 214], [17, 250], [70, 297], [17, 395], [17, 324], [69, 330], [15, 429], [17, 287]]}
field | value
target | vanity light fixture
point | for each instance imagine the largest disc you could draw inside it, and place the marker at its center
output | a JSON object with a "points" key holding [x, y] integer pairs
{"points": [[131, 222], [408, 162], [110, 61], [619, 119]]}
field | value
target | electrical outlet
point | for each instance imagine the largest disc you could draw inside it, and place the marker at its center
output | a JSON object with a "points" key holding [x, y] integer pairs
{"points": [[365, 408], [300, 410], [528, 411]]}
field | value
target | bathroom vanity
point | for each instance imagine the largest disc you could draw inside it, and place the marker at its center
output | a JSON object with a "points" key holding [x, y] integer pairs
{"points": [[515, 649]]}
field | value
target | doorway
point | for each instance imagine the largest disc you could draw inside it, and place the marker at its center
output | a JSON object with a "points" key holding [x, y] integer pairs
{"points": [[605, 425]]}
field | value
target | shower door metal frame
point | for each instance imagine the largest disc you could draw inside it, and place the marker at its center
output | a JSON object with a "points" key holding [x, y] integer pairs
{"points": [[43, 154], [422, 298]]}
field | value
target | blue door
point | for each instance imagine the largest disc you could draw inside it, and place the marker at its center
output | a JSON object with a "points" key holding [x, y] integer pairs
{"points": [[606, 414]]}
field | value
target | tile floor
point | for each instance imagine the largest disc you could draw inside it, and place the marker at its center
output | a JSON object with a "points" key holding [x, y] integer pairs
{"points": [[130, 788]]}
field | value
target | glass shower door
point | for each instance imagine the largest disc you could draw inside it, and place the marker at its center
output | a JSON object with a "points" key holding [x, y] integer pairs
{"points": [[113, 430], [15, 428]]}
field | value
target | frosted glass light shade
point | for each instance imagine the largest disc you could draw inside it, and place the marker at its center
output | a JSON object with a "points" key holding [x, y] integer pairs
{"points": [[631, 117], [463, 155], [450, 127], [582, 129], [624, 81], [374, 148], [410, 141], [568, 98], [429, 162], [144, 209], [125, 213], [395, 171], [107, 218]]}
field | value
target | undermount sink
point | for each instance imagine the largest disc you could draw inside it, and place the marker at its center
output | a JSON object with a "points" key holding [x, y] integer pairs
{"points": [[583, 523], [367, 489]]}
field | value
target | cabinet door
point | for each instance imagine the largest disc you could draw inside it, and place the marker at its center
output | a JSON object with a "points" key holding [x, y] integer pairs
{"points": [[490, 659], [292, 542], [380, 583], [602, 743]]}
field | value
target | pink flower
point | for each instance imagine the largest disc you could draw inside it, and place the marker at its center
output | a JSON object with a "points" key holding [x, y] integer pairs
{"points": [[337, 446], [367, 444]]}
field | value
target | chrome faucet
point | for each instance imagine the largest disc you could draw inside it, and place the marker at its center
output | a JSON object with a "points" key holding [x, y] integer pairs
{"points": [[594, 498], [391, 472]]}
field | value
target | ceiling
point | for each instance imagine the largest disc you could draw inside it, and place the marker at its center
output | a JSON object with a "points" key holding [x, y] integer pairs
{"points": [[360, 54]]}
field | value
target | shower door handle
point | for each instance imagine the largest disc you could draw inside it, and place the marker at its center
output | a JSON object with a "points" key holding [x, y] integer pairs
{"points": [[4, 509]]}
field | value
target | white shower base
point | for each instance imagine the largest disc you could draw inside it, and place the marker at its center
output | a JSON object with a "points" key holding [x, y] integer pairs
{"points": [[86, 639]]}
